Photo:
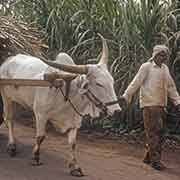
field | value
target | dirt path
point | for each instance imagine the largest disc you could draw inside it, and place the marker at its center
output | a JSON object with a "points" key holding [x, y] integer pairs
{"points": [[100, 159]]}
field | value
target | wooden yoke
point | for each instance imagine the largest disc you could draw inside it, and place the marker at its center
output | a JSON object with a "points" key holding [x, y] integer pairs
{"points": [[50, 80], [25, 82], [53, 77]]}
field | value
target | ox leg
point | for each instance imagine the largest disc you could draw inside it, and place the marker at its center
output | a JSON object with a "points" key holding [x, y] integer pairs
{"points": [[36, 151], [40, 136], [11, 148], [74, 168], [8, 116]]}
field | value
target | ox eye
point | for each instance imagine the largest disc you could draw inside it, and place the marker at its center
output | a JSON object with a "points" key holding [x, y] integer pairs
{"points": [[100, 85]]}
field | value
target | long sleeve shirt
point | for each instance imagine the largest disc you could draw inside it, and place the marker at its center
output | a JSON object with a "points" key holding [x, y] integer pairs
{"points": [[155, 84]]}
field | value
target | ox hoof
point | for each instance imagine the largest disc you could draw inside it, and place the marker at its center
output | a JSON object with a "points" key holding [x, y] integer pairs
{"points": [[76, 172], [11, 149], [36, 161]]}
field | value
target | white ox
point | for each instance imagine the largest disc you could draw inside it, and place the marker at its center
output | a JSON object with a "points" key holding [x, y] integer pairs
{"points": [[92, 86]]}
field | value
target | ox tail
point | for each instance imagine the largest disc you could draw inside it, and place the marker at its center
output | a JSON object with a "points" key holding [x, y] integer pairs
{"points": [[1, 110]]}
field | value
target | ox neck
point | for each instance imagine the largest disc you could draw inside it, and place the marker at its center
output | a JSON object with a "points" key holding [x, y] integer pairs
{"points": [[78, 100]]}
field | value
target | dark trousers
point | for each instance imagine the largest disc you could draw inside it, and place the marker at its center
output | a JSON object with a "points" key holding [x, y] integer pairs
{"points": [[154, 117], [1, 110]]}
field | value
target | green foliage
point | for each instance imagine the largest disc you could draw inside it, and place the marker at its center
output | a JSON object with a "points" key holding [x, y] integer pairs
{"points": [[131, 28]]}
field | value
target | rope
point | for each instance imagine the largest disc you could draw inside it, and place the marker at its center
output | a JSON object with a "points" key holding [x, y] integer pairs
{"points": [[72, 104]]}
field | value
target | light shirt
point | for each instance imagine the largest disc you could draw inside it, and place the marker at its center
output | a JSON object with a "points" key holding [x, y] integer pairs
{"points": [[156, 85]]}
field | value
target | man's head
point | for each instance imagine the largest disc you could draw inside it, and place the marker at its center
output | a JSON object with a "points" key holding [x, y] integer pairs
{"points": [[160, 54]]}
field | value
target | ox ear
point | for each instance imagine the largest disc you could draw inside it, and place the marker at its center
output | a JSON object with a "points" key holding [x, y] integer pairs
{"points": [[83, 84]]}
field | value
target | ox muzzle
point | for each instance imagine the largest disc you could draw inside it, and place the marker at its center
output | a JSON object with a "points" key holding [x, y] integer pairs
{"points": [[104, 111]]}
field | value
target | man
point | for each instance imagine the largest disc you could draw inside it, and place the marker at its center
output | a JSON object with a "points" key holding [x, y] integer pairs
{"points": [[156, 86]]}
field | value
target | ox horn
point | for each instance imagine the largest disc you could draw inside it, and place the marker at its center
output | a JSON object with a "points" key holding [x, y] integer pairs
{"points": [[52, 76], [77, 69], [105, 51]]}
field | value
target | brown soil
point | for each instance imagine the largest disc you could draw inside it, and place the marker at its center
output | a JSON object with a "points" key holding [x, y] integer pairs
{"points": [[101, 159]]}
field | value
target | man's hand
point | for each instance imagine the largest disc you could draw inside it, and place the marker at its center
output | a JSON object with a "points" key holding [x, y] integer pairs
{"points": [[122, 101], [121, 98]]}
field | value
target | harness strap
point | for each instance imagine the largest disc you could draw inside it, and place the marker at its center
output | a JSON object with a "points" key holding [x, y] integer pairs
{"points": [[98, 103], [68, 99], [67, 90]]}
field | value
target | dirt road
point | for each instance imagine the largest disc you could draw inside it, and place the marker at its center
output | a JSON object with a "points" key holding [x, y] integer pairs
{"points": [[100, 159]]}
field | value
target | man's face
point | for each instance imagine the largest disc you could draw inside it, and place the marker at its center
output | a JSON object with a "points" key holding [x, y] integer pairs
{"points": [[160, 58]]}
